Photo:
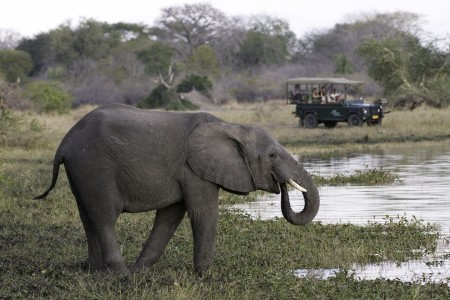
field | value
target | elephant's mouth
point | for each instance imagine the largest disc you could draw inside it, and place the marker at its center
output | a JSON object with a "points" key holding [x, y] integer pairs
{"points": [[275, 188]]}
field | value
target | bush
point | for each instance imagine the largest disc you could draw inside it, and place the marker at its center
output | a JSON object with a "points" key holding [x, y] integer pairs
{"points": [[49, 97], [434, 95], [200, 83], [161, 97]]}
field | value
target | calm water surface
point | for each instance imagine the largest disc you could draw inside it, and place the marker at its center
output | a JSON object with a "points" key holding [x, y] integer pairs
{"points": [[422, 192]]}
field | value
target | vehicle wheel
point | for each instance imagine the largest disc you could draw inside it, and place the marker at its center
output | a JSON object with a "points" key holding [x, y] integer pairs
{"points": [[354, 120], [330, 124], [310, 121]]}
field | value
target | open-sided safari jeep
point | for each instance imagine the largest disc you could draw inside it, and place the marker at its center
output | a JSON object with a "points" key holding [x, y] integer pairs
{"points": [[326, 100]]}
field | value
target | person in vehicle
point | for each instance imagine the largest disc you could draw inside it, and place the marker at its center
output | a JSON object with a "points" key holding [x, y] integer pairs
{"points": [[335, 96], [315, 95], [296, 92], [323, 95]]}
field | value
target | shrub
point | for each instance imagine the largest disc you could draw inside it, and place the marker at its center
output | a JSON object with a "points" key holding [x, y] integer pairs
{"points": [[200, 83], [161, 97], [49, 97]]}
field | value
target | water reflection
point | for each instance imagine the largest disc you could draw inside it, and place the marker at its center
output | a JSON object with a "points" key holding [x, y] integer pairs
{"points": [[423, 192]]}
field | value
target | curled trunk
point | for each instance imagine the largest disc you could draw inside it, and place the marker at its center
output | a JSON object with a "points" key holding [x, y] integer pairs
{"points": [[312, 203]]}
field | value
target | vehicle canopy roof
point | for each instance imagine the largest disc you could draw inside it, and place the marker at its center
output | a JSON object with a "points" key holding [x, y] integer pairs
{"points": [[322, 80]]}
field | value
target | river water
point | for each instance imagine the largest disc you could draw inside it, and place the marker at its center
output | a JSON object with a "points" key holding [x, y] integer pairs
{"points": [[423, 192]]}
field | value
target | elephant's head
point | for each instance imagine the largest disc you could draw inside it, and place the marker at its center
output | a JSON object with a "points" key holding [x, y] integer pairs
{"points": [[243, 159]]}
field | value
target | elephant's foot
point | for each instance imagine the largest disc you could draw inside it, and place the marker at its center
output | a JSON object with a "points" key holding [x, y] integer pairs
{"points": [[139, 268], [142, 264], [201, 270], [118, 268]]}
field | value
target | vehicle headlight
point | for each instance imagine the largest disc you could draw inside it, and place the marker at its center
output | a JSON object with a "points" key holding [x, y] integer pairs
{"points": [[365, 111]]}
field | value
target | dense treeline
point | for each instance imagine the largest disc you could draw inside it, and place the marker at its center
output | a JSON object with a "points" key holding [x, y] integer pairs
{"points": [[198, 46]]}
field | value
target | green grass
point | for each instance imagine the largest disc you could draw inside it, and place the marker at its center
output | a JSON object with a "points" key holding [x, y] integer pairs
{"points": [[43, 247], [43, 251], [361, 177]]}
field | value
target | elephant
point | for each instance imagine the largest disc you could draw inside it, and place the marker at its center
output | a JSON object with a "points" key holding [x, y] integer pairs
{"points": [[120, 158]]}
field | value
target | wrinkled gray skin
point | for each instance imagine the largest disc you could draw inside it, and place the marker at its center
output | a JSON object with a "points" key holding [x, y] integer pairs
{"points": [[123, 159]]}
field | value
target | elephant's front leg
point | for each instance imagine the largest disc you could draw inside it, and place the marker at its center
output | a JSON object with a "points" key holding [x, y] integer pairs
{"points": [[166, 222], [203, 211], [204, 225]]}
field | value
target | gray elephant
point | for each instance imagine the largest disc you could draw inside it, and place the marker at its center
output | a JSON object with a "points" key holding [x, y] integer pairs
{"points": [[123, 159]]}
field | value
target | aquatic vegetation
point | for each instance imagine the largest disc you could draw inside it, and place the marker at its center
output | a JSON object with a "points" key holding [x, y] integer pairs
{"points": [[361, 177]]}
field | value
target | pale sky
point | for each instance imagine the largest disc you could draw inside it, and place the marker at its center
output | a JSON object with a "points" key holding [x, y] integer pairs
{"points": [[30, 17]]}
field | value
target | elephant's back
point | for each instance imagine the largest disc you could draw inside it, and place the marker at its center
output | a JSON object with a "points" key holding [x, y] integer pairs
{"points": [[119, 130]]}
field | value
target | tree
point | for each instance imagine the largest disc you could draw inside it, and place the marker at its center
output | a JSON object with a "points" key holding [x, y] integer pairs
{"points": [[15, 64], [93, 39], [274, 27], [343, 64], [188, 27], [260, 49], [409, 70], [40, 50], [204, 61], [320, 47], [159, 60], [387, 63]]}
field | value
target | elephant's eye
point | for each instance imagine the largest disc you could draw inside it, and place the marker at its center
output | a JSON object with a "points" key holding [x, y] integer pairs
{"points": [[272, 155]]}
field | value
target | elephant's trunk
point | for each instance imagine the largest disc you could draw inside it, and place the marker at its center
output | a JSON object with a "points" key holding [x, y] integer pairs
{"points": [[312, 203]]}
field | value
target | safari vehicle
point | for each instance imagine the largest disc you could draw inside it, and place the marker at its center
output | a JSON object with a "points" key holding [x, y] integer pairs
{"points": [[325, 100]]}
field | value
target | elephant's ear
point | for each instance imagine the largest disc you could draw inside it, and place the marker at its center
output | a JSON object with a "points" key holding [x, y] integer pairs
{"points": [[215, 154]]}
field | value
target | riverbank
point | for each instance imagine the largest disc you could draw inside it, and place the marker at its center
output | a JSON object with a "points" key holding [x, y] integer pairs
{"points": [[43, 248]]}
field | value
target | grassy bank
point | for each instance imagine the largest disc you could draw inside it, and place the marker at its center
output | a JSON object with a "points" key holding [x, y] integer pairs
{"points": [[43, 248], [43, 251], [399, 128]]}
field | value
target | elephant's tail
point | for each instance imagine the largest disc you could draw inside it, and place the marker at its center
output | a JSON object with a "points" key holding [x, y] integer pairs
{"points": [[56, 162]]}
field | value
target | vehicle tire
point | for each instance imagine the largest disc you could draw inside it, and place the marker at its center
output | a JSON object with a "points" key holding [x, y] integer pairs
{"points": [[330, 124], [354, 120], [310, 121]]}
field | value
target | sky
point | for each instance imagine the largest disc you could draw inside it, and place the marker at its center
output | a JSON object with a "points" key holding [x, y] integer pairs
{"points": [[31, 17]]}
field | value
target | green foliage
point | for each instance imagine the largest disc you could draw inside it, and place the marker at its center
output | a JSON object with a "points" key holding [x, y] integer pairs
{"points": [[260, 49], [92, 41], [407, 69], [19, 130], [204, 61], [387, 62], [55, 73], [343, 64], [15, 64], [40, 49], [438, 92], [157, 58], [49, 97], [159, 97], [162, 97], [200, 83], [364, 177], [181, 105]]}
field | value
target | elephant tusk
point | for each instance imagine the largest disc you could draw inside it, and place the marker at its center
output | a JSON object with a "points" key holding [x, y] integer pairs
{"points": [[297, 186]]}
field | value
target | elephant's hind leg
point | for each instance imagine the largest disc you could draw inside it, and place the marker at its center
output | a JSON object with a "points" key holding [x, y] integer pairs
{"points": [[95, 259], [99, 218], [166, 222]]}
